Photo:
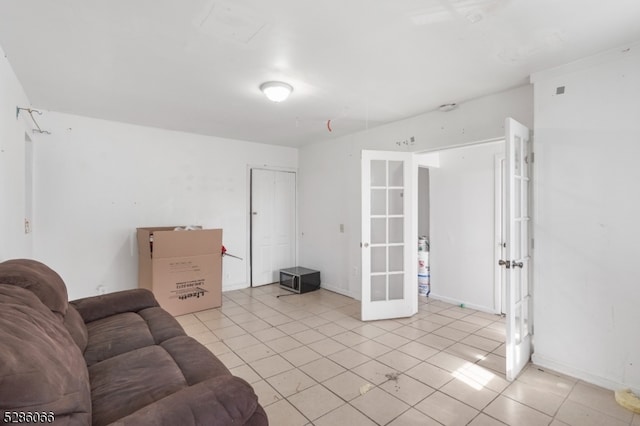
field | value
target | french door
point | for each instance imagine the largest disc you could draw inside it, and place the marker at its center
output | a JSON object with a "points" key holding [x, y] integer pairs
{"points": [[518, 244], [389, 235]]}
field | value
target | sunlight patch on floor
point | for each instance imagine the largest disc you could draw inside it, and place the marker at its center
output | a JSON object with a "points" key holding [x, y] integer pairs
{"points": [[473, 375]]}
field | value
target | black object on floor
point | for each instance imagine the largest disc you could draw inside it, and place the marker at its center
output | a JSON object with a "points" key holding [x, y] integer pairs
{"points": [[299, 280]]}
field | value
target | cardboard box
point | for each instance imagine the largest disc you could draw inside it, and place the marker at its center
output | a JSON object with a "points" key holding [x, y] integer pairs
{"points": [[183, 269]]}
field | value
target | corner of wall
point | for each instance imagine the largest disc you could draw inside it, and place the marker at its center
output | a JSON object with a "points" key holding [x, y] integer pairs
{"points": [[14, 242]]}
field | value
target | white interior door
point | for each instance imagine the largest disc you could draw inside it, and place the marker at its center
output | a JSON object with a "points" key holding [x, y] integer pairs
{"points": [[518, 242], [273, 224], [389, 235]]}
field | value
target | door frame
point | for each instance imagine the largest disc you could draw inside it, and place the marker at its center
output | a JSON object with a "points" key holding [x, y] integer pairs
{"points": [[249, 240]]}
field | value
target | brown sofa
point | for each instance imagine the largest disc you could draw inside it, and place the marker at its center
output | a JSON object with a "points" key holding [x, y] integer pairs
{"points": [[112, 359]]}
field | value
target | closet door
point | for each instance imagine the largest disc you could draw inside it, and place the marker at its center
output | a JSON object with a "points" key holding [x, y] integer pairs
{"points": [[273, 224]]}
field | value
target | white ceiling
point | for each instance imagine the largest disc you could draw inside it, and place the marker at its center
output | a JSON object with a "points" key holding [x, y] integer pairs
{"points": [[195, 65]]}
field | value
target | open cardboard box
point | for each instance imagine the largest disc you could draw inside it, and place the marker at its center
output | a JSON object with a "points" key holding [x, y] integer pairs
{"points": [[183, 269]]}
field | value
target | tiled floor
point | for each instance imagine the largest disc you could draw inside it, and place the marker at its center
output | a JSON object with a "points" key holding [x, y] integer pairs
{"points": [[313, 362]]}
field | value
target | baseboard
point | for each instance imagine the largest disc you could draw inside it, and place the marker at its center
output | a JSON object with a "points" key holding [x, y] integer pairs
{"points": [[233, 287], [338, 290], [326, 286], [461, 302], [569, 370]]}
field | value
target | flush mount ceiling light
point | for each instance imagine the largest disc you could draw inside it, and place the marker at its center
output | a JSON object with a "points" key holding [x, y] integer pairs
{"points": [[276, 91]]}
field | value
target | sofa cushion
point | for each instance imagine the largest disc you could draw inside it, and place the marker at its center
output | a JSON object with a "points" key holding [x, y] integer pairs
{"points": [[162, 325], [115, 335], [221, 401], [37, 277], [196, 362], [125, 383], [42, 368], [120, 333], [97, 307], [75, 325]]}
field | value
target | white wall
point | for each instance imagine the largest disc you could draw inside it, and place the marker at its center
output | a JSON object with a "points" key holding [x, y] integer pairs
{"points": [[327, 191], [463, 226], [330, 176], [99, 180], [586, 223], [14, 243]]}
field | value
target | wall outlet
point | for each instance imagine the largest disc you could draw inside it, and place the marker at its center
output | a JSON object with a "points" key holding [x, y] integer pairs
{"points": [[342, 228], [101, 289]]}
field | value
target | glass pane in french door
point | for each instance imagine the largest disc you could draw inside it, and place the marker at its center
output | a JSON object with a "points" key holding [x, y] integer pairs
{"points": [[387, 230]]}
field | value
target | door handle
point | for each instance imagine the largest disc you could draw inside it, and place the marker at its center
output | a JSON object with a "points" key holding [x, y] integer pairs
{"points": [[504, 263], [518, 264]]}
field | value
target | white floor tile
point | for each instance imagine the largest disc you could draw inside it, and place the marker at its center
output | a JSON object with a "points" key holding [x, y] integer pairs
{"points": [[311, 361], [315, 401]]}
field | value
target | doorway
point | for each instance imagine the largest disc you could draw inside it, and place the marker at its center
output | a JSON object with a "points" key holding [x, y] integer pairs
{"points": [[464, 231], [273, 218], [462, 249], [462, 207]]}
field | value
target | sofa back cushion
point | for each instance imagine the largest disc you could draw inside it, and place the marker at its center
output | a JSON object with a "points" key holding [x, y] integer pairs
{"points": [[41, 367], [38, 278], [76, 327]]}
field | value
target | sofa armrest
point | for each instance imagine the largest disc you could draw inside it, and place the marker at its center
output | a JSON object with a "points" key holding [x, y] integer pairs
{"points": [[97, 307], [219, 401]]}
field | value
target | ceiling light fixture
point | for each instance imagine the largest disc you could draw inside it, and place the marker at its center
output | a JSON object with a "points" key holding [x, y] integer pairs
{"points": [[276, 91]]}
